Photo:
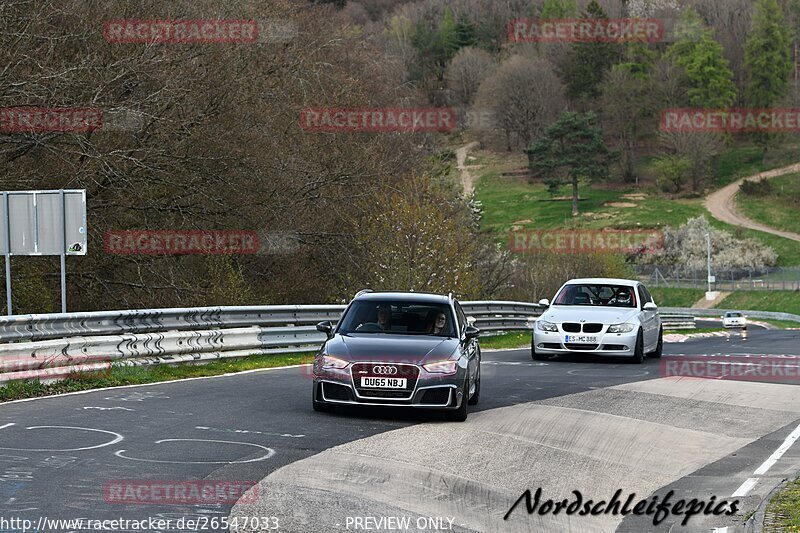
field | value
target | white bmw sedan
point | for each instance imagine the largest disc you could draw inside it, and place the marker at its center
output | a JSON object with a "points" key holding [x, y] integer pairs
{"points": [[613, 317]]}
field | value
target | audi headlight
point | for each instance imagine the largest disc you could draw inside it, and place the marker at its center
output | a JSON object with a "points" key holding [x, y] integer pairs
{"points": [[334, 362], [441, 367], [621, 328], [544, 325]]}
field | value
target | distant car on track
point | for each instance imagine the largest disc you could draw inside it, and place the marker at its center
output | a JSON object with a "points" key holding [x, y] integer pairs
{"points": [[396, 349], [609, 317], [734, 319]]}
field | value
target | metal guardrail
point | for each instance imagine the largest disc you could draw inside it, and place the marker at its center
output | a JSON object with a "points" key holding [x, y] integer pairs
{"points": [[50, 346]]}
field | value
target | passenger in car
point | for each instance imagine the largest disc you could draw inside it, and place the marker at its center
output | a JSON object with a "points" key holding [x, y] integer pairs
{"points": [[436, 325]]}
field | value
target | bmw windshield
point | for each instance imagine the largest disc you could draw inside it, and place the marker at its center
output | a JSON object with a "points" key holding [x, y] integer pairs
{"points": [[597, 295], [398, 317]]}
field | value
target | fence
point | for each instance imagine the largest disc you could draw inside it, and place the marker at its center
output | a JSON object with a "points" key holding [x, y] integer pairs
{"points": [[781, 278]]}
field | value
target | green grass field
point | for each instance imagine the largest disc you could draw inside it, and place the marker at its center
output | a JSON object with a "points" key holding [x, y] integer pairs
{"points": [[668, 297], [777, 210], [510, 204], [779, 301], [783, 511]]}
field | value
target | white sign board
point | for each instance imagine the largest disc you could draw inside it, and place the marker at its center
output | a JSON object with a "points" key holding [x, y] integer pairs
{"points": [[36, 224]]}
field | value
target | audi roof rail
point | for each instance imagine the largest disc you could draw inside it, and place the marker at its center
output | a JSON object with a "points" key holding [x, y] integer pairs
{"points": [[362, 291]]}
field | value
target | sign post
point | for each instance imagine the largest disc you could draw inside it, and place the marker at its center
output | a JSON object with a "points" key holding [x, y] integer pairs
{"points": [[43, 223]]}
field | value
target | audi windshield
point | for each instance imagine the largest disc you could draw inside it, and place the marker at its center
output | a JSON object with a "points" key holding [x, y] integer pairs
{"points": [[398, 317]]}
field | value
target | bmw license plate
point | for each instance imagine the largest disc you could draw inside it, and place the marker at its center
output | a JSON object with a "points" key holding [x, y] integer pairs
{"points": [[580, 339], [383, 383]]}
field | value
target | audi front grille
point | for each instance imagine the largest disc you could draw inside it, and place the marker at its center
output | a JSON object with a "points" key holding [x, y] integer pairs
{"points": [[385, 370]]}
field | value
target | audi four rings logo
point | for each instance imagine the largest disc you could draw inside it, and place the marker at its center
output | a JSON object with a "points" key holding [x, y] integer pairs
{"points": [[386, 370]]}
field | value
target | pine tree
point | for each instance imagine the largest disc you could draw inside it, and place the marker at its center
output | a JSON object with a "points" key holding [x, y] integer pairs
{"points": [[573, 148], [465, 32], [767, 61], [448, 38], [587, 63], [559, 9], [701, 56]]}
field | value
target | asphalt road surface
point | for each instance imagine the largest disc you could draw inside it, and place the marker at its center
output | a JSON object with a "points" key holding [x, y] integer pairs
{"points": [[568, 424]]}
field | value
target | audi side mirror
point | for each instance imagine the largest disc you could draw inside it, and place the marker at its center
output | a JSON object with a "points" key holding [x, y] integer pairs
{"points": [[471, 332], [325, 327], [544, 302]]}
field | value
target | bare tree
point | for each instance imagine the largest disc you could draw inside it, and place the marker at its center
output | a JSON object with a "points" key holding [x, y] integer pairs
{"points": [[466, 72], [525, 96]]}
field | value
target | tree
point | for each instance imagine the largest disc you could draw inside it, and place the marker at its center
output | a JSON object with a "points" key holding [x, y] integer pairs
{"points": [[627, 103], [448, 37], [525, 96], [588, 62], [710, 79], [558, 9], [466, 34], [466, 72], [573, 148], [767, 62]]}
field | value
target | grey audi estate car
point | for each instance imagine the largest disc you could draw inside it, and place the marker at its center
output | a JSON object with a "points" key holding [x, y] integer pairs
{"points": [[396, 349]]}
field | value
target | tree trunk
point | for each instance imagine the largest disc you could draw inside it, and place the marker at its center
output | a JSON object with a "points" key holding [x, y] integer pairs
{"points": [[574, 195]]}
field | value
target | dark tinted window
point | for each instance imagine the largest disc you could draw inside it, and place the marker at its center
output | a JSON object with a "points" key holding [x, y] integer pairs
{"points": [[398, 317]]}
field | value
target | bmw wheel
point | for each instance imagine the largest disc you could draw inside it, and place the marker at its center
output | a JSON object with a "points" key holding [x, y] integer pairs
{"points": [[638, 353]]}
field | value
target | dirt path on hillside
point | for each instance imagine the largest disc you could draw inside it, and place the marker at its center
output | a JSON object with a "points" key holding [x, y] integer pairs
{"points": [[702, 303], [722, 204], [467, 178]]}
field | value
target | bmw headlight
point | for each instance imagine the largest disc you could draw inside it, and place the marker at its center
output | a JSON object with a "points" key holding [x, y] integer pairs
{"points": [[544, 325], [441, 367], [334, 362], [621, 328]]}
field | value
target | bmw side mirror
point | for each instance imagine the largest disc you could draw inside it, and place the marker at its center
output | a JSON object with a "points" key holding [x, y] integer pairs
{"points": [[471, 332], [544, 302], [325, 327], [650, 306]]}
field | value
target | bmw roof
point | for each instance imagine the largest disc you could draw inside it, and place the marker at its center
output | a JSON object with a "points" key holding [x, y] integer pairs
{"points": [[603, 281]]}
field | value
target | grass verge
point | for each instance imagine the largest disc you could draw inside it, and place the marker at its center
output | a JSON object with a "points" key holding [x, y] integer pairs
{"points": [[780, 324], [511, 340], [783, 512], [778, 301], [669, 297], [136, 375], [777, 209]]}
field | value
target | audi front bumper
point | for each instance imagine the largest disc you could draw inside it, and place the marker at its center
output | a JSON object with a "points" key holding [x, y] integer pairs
{"points": [[422, 389]]}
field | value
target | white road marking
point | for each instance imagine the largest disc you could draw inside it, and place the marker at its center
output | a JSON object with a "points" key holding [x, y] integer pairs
{"points": [[118, 408], [115, 440], [720, 530], [766, 465], [270, 453], [4, 426], [745, 487]]}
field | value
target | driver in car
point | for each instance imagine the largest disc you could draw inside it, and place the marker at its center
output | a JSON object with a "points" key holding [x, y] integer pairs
{"points": [[622, 298], [385, 317]]}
